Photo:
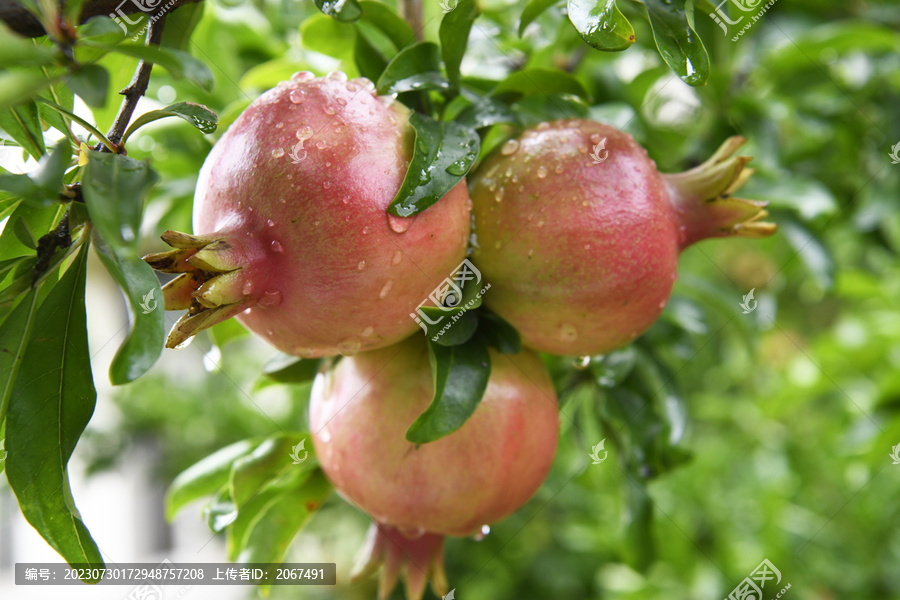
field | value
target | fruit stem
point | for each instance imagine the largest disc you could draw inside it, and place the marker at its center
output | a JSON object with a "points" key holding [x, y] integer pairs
{"points": [[703, 202]]}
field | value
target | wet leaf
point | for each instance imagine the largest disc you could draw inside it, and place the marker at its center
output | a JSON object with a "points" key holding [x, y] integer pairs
{"points": [[196, 114], [530, 82], [341, 10], [601, 24], [415, 68], [383, 18], [533, 10], [499, 334], [285, 368], [454, 35], [677, 42]]}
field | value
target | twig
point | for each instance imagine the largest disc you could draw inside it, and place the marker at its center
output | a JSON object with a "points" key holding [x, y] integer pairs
{"points": [[411, 11]]}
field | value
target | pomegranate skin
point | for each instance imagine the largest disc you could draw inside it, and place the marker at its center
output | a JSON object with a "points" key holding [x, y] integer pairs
{"points": [[297, 190], [360, 411], [579, 234]]}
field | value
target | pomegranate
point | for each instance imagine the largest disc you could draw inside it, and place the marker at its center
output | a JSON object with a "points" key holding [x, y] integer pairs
{"points": [[291, 234], [359, 413], [579, 234]]}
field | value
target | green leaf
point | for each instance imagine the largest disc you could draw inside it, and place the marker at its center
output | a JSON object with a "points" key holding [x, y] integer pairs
{"points": [[91, 83], [327, 36], [43, 187], [601, 24], [677, 42], [180, 24], [485, 112], [279, 522], [461, 375], [533, 10], [15, 333], [814, 254], [383, 18], [196, 114], [454, 35], [52, 401], [179, 64], [40, 220], [24, 126], [221, 512], [532, 110], [341, 10], [444, 153], [23, 233], [114, 188], [416, 67], [285, 368], [639, 549], [19, 85], [271, 466], [23, 52], [499, 334], [205, 477], [368, 58], [532, 82], [63, 96], [101, 30], [227, 331]]}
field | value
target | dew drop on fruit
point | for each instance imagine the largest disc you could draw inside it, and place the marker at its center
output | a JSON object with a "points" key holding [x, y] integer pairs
{"points": [[368, 331], [277, 152], [326, 184], [482, 533], [304, 133], [398, 256], [531, 253], [321, 144], [303, 76], [349, 346], [279, 125], [587, 246], [412, 533], [386, 289], [270, 223], [270, 299], [247, 288], [337, 76], [498, 197], [558, 170], [341, 101], [595, 138], [509, 147], [277, 247], [324, 434], [542, 172], [328, 109], [365, 230], [568, 333], [662, 304], [361, 265], [400, 224], [297, 96]]}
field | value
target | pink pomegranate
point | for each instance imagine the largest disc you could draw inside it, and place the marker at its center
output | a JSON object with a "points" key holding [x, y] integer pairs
{"points": [[579, 234], [359, 413], [290, 229]]}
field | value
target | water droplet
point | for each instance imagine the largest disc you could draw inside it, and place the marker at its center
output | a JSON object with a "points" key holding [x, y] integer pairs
{"points": [[386, 289], [386, 100], [582, 362], [328, 109], [270, 223], [283, 201], [587, 246], [558, 169], [595, 138], [325, 435], [568, 333], [337, 76], [303, 76], [492, 171], [361, 265], [497, 244], [270, 299], [326, 185], [368, 331], [400, 224], [247, 288], [297, 96], [531, 252], [365, 230], [662, 304], [279, 125], [304, 133], [321, 144], [346, 199], [349, 346], [498, 197], [277, 152], [509, 147], [398, 256], [584, 203], [352, 87], [583, 149], [542, 172], [485, 529], [540, 223], [543, 126], [412, 533], [341, 101], [327, 163], [277, 247]]}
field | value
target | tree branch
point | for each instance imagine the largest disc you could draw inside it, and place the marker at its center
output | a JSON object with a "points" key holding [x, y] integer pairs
{"points": [[23, 22], [411, 11]]}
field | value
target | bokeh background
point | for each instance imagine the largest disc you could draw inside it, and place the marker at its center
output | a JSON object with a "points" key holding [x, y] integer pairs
{"points": [[777, 426]]}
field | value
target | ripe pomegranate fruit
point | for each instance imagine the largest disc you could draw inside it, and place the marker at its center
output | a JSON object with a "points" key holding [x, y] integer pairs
{"points": [[579, 234], [291, 234], [359, 413]]}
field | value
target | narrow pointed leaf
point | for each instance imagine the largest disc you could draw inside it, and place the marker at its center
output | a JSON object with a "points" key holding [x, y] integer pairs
{"points": [[91, 83], [383, 18], [601, 24], [454, 34], [533, 10], [52, 401], [677, 42], [341, 10], [15, 332], [416, 67], [196, 114], [23, 125]]}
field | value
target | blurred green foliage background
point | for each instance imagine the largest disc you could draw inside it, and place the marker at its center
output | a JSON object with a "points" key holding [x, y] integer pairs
{"points": [[788, 413]]}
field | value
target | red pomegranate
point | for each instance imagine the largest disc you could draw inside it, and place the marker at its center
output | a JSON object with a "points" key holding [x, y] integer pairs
{"points": [[290, 229], [579, 234], [359, 413]]}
